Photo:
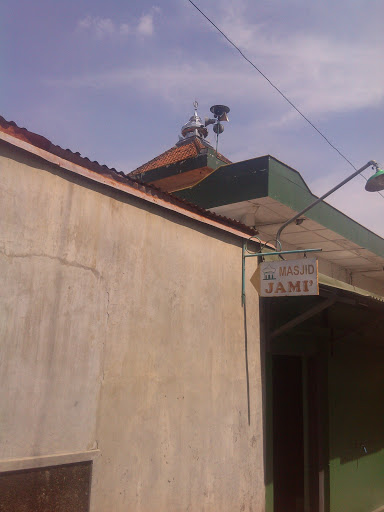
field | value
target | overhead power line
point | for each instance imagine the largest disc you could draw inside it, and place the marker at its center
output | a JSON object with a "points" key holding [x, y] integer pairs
{"points": [[278, 90]]}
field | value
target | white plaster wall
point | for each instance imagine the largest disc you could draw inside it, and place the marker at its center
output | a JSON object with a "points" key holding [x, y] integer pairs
{"points": [[122, 329]]}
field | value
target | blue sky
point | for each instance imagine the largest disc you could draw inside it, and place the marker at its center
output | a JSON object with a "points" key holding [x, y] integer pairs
{"points": [[116, 80]]}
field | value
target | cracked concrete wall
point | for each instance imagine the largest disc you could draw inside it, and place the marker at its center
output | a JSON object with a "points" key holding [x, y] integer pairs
{"points": [[122, 329]]}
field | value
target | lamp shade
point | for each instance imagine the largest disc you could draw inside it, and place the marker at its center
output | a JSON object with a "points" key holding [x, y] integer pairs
{"points": [[375, 182]]}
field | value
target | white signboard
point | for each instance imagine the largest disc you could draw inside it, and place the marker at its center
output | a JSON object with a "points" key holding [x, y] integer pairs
{"points": [[289, 278]]}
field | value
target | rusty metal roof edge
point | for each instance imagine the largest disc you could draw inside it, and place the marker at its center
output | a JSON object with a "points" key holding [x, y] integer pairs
{"points": [[128, 185]]}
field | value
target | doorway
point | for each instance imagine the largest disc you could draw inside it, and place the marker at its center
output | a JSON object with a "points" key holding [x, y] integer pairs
{"points": [[288, 434], [298, 474]]}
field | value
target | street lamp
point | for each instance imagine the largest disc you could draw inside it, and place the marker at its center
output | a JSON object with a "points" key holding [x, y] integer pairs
{"points": [[374, 184]]}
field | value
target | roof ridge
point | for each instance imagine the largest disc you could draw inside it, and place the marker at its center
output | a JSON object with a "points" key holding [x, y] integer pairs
{"points": [[198, 144]]}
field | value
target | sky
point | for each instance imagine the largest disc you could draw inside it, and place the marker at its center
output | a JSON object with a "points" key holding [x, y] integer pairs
{"points": [[116, 81]]}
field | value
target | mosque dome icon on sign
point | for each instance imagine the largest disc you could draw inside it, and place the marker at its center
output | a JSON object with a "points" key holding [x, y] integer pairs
{"points": [[269, 273]]}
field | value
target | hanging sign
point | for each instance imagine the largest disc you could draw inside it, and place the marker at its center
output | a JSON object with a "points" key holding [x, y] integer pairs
{"points": [[288, 278]]}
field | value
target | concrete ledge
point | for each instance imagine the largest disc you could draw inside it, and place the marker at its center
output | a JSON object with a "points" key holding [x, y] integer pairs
{"points": [[47, 460]]}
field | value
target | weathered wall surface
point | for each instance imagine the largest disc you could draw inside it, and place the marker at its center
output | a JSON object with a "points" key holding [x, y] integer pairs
{"points": [[122, 329]]}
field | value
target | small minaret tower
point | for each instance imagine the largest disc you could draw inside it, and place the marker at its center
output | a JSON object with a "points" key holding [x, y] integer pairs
{"points": [[193, 128]]}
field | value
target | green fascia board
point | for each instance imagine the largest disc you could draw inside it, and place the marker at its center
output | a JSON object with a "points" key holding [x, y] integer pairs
{"points": [[284, 171], [290, 189], [268, 177], [231, 183]]}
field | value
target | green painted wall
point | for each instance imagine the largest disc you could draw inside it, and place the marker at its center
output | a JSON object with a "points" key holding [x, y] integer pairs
{"points": [[356, 420]]}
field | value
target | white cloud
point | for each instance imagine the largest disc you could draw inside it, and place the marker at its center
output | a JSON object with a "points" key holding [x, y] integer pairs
{"points": [[85, 23], [173, 82], [321, 74], [124, 29], [100, 27], [106, 28], [145, 25]]}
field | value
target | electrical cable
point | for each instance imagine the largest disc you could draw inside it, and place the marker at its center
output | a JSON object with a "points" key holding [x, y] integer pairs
{"points": [[278, 90]]}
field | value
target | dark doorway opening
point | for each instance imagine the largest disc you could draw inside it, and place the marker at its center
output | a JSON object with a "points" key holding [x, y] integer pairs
{"points": [[298, 474], [288, 434]]}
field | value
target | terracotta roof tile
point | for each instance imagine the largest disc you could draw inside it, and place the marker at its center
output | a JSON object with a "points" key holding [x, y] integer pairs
{"points": [[191, 149], [41, 142]]}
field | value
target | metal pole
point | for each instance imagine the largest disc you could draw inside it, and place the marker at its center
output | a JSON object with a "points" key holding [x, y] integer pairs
{"points": [[276, 253], [243, 276], [371, 162]]}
